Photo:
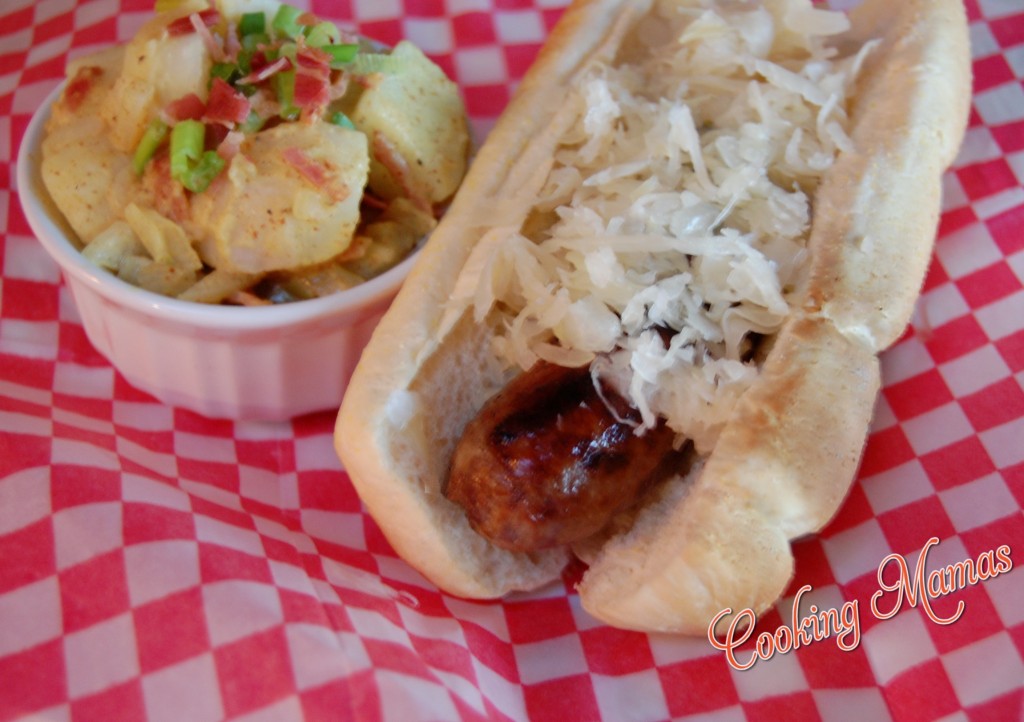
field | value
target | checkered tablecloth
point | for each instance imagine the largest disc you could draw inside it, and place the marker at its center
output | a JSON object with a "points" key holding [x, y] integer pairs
{"points": [[157, 565]]}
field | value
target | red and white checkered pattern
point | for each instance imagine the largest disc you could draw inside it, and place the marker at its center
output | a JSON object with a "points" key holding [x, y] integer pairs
{"points": [[158, 565]]}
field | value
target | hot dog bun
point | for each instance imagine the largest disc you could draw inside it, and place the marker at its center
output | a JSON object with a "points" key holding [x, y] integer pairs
{"points": [[720, 536]]}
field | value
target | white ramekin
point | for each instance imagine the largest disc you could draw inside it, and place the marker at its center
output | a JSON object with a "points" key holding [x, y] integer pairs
{"points": [[265, 363]]}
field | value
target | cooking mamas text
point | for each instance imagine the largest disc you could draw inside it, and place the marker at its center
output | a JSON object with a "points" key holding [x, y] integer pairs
{"points": [[915, 587]]}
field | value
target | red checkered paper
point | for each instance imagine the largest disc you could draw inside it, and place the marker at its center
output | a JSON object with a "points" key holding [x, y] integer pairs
{"points": [[157, 565]]}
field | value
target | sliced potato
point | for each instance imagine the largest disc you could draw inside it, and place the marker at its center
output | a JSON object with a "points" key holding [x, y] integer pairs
{"points": [[392, 241], [300, 186], [79, 168], [404, 211], [89, 79], [163, 278], [420, 113], [109, 249], [218, 285], [315, 281], [165, 240], [146, 85]]}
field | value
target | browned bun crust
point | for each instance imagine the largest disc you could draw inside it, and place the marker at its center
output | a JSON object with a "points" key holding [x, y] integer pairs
{"points": [[784, 462]]}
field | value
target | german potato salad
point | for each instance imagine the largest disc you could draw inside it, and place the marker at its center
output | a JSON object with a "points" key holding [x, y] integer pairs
{"points": [[247, 152]]}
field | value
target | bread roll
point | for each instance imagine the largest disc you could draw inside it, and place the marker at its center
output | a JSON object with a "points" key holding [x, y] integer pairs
{"points": [[718, 535]]}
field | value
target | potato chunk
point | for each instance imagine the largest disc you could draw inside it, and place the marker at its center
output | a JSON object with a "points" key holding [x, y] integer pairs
{"points": [[79, 169], [290, 198], [420, 113], [145, 84]]}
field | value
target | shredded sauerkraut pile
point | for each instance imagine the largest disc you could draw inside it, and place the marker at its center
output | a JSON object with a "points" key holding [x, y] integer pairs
{"points": [[674, 219]]}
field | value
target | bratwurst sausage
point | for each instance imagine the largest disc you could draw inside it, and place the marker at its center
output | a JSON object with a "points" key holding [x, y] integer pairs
{"points": [[549, 460]]}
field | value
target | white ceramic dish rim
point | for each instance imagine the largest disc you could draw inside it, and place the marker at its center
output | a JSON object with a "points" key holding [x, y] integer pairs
{"points": [[38, 207]]}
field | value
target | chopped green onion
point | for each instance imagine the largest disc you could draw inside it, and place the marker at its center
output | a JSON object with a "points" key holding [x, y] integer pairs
{"points": [[190, 165], [247, 90], [228, 72], [252, 124], [244, 59], [287, 50], [284, 87], [251, 42], [286, 21], [340, 119], [341, 54], [202, 174], [187, 139], [323, 33], [367, 63], [150, 141], [252, 24]]}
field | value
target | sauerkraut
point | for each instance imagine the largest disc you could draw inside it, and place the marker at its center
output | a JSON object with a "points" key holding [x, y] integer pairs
{"points": [[671, 232]]}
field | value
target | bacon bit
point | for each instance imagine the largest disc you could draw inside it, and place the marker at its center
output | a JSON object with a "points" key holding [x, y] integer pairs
{"points": [[226, 105], [310, 169], [265, 106], [370, 80], [232, 45], [214, 46], [80, 86], [258, 76], [315, 173], [167, 195], [215, 135], [388, 156], [186, 24], [231, 145], [187, 107], [340, 86], [310, 57], [258, 59], [372, 201], [312, 81], [312, 93], [246, 298], [356, 249]]}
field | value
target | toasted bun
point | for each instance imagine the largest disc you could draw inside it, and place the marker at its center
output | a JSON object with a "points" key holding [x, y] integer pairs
{"points": [[720, 537]]}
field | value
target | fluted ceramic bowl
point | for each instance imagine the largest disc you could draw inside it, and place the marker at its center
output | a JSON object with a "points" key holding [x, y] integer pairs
{"points": [[246, 363]]}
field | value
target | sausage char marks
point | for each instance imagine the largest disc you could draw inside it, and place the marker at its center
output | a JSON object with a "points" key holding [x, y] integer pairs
{"points": [[550, 460]]}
